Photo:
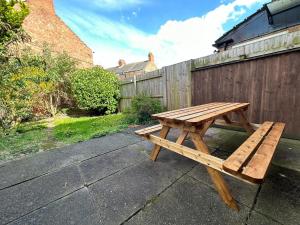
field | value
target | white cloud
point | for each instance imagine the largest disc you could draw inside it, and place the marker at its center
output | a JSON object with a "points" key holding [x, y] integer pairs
{"points": [[175, 41]]}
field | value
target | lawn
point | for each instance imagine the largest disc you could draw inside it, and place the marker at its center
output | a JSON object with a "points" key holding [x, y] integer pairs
{"points": [[56, 132]]}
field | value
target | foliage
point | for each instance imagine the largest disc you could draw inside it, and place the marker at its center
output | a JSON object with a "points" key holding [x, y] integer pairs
{"points": [[142, 107], [58, 69], [95, 89], [34, 85], [12, 14]]}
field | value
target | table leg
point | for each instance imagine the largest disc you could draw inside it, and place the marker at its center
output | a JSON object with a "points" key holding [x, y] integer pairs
{"points": [[215, 175], [156, 149], [205, 127], [182, 137], [245, 122]]}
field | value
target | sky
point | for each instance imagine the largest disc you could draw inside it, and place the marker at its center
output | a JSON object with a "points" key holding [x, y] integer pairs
{"points": [[173, 30]]}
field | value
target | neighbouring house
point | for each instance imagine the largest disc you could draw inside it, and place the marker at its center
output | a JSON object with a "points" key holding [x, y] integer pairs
{"points": [[273, 19], [45, 27], [137, 68]]}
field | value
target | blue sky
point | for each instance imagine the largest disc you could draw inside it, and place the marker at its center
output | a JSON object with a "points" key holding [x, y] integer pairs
{"points": [[173, 30]]}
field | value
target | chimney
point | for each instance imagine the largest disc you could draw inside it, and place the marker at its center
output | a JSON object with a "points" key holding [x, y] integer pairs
{"points": [[151, 57], [121, 62]]}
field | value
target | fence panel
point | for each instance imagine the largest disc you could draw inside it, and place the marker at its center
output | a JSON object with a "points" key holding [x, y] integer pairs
{"points": [[271, 85]]}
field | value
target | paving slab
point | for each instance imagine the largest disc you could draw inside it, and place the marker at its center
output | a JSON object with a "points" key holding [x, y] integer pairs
{"points": [[21, 199], [188, 202], [243, 192], [259, 219], [123, 194], [19, 170], [76, 208], [288, 154], [104, 165], [279, 197]]}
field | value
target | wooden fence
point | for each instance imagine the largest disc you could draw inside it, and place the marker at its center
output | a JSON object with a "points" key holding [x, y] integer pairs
{"points": [[264, 73], [170, 84], [271, 85]]}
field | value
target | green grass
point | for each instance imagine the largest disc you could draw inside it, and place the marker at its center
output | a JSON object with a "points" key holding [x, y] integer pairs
{"points": [[27, 138], [47, 134], [71, 130]]}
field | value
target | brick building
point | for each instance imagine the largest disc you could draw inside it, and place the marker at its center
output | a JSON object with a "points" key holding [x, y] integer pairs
{"points": [[44, 26]]}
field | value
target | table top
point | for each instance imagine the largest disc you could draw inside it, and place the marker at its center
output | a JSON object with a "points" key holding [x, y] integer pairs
{"points": [[200, 113]]}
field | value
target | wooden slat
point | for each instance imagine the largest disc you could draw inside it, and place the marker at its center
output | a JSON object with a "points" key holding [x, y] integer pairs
{"points": [[257, 167], [236, 160], [207, 112], [195, 111], [198, 156], [173, 112], [213, 115], [148, 130]]}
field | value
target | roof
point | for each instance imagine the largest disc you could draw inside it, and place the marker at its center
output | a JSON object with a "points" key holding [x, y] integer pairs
{"points": [[131, 67], [271, 8]]}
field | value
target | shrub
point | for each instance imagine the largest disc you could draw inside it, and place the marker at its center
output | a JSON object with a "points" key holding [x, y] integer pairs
{"points": [[95, 89], [33, 85], [142, 107]]}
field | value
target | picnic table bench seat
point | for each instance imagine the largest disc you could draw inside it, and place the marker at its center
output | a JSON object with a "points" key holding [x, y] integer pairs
{"points": [[252, 159], [148, 130]]}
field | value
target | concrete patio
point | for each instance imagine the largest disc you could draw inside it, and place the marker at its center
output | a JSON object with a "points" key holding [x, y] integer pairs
{"points": [[110, 180]]}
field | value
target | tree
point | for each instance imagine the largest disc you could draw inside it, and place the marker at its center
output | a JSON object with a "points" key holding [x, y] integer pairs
{"points": [[12, 15]]}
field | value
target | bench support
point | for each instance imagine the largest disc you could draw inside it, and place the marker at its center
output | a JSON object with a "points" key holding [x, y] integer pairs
{"points": [[156, 149], [215, 175]]}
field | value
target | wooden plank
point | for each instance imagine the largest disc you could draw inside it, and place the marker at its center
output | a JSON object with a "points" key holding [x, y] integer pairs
{"points": [[169, 113], [156, 149], [198, 156], [192, 112], [257, 167], [149, 129], [207, 112], [215, 114], [239, 157], [215, 175], [182, 126]]}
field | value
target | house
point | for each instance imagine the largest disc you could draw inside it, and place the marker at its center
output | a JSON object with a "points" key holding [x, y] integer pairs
{"points": [[44, 26], [137, 68], [274, 18]]}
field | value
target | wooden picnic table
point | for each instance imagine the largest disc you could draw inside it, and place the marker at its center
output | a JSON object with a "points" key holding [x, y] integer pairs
{"points": [[248, 163]]}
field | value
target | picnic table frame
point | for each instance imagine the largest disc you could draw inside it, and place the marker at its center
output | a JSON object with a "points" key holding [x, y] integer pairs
{"points": [[195, 121], [197, 129]]}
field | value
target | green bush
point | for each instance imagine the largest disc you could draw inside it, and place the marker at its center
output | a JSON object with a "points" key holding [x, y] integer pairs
{"points": [[95, 89], [142, 107]]}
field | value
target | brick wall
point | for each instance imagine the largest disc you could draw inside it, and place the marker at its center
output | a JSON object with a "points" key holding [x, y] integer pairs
{"points": [[44, 26]]}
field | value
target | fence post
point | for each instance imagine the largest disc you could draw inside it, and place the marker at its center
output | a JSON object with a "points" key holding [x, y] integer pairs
{"points": [[135, 87]]}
